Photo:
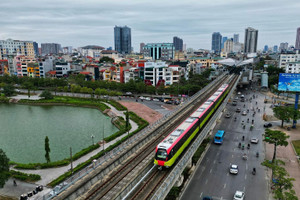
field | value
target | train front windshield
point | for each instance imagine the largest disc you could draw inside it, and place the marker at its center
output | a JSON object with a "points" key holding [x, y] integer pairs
{"points": [[161, 154]]}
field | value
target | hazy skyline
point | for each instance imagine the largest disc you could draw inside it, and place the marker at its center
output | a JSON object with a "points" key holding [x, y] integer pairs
{"points": [[80, 23]]}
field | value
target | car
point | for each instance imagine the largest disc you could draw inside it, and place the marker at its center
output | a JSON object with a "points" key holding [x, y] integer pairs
{"points": [[268, 125], [227, 115], [239, 93], [254, 140], [128, 93], [207, 198], [239, 195], [141, 97], [234, 102], [238, 110], [169, 102], [244, 112], [17, 90], [148, 98], [177, 102], [234, 169], [236, 98]]}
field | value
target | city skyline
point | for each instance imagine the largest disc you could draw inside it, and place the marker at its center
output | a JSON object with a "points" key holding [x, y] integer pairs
{"points": [[90, 22]]}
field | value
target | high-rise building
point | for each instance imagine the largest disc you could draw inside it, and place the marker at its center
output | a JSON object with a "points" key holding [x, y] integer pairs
{"points": [[266, 48], [251, 36], [122, 39], [178, 43], [235, 38], [216, 42], [228, 46], [283, 46], [142, 47], [159, 51], [16, 47], [50, 48], [36, 48], [297, 45], [224, 39], [275, 49]]}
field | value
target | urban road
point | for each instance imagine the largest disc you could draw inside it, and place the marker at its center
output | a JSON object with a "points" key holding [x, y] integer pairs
{"points": [[212, 177]]}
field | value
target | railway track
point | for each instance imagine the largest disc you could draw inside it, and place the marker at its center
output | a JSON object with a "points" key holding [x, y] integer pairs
{"points": [[147, 188], [111, 186]]}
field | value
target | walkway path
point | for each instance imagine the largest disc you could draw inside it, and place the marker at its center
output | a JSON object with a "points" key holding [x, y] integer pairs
{"points": [[287, 154]]}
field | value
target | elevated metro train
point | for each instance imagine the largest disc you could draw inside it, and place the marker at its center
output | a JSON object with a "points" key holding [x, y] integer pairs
{"points": [[168, 150]]}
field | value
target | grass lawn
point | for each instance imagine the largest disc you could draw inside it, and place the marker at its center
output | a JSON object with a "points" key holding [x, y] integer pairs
{"points": [[296, 144]]}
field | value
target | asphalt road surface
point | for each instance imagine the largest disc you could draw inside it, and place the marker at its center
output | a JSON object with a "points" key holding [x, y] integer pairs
{"points": [[212, 177]]}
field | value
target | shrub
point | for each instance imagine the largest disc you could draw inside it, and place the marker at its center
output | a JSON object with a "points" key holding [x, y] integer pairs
{"points": [[46, 94], [24, 177]]}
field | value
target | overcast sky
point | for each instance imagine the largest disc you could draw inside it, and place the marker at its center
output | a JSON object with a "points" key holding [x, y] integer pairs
{"points": [[82, 22]]}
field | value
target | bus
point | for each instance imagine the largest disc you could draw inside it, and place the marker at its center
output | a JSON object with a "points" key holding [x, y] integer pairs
{"points": [[219, 136]]}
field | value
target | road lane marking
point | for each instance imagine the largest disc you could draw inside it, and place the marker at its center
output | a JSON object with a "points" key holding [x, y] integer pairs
{"points": [[232, 156], [224, 185], [210, 170], [214, 161], [206, 181], [201, 194], [245, 176]]}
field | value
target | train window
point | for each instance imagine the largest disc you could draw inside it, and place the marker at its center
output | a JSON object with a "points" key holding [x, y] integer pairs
{"points": [[161, 154]]}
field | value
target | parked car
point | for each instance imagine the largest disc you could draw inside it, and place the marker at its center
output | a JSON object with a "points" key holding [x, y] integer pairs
{"points": [[141, 97], [239, 195], [148, 98], [207, 198], [244, 112], [155, 99], [254, 140], [17, 90], [177, 102], [238, 110], [128, 93], [234, 169], [169, 102], [268, 125]]}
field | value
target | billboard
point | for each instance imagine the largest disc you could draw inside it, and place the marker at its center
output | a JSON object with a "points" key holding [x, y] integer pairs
{"points": [[289, 82]]}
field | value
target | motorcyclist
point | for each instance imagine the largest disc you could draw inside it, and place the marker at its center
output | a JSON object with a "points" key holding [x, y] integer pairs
{"points": [[248, 146], [257, 154], [243, 138]]}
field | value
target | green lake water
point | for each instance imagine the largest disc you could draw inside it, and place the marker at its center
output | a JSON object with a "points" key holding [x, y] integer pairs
{"points": [[23, 129]]}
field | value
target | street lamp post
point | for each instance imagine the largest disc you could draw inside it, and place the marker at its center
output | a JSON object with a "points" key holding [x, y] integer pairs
{"points": [[92, 136]]}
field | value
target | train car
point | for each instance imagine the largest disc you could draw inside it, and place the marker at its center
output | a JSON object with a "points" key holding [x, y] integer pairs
{"points": [[173, 145]]}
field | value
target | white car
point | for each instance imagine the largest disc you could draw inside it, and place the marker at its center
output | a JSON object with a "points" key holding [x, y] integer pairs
{"points": [[254, 140], [148, 98], [141, 97], [244, 113], [155, 99], [239, 195], [234, 169]]}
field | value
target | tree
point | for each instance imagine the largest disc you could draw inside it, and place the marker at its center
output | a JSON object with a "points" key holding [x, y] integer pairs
{"points": [[29, 86], [8, 90], [106, 59], [277, 138], [47, 149], [282, 183], [4, 168], [46, 94], [282, 113]]}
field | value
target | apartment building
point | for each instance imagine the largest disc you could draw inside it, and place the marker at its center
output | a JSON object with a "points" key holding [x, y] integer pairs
{"points": [[62, 68], [293, 67], [284, 59], [16, 47], [22, 62]]}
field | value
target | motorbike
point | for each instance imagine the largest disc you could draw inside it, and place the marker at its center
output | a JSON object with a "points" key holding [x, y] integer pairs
{"points": [[235, 119], [245, 157], [243, 146], [257, 154], [248, 147], [248, 120], [254, 171], [243, 138], [251, 127], [244, 126], [240, 145]]}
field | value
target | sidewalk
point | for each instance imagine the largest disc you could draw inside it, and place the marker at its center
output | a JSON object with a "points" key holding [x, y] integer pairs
{"points": [[48, 175], [287, 154]]}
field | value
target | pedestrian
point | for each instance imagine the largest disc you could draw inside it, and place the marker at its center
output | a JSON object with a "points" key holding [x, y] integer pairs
{"points": [[15, 183]]}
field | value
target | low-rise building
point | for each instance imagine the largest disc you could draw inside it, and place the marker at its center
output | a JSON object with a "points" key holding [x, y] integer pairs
{"points": [[284, 59], [159, 51], [62, 68]]}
